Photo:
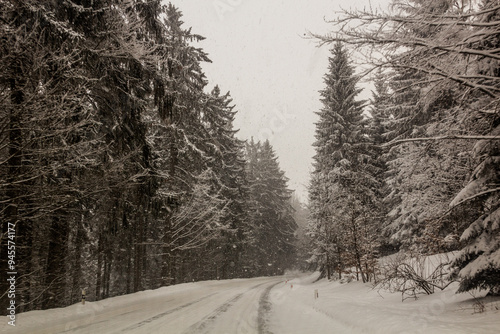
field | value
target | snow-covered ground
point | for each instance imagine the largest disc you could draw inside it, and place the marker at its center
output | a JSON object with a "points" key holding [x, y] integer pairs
{"points": [[267, 305], [357, 308]]}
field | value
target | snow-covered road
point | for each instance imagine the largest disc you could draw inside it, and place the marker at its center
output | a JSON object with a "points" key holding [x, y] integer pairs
{"points": [[233, 306], [277, 305]]}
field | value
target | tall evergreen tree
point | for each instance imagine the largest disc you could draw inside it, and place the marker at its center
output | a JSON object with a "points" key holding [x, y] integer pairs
{"points": [[271, 244], [380, 124], [228, 164], [344, 169]]}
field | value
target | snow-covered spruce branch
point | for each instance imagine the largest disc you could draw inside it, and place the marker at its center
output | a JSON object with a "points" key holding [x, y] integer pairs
{"points": [[448, 137], [425, 18], [428, 19], [482, 193], [375, 39]]}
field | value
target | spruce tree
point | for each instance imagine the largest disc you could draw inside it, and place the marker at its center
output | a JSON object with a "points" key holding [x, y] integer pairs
{"points": [[345, 186], [380, 124], [271, 245], [228, 165]]}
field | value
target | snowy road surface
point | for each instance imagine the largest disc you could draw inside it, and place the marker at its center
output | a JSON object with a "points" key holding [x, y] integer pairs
{"points": [[286, 305], [233, 306]]}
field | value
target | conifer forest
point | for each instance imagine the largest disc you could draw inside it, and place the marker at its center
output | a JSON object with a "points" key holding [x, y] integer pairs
{"points": [[121, 169]]}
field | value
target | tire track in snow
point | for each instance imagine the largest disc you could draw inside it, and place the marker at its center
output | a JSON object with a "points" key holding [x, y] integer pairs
{"points": [[264, 309], [158, 316], [203, 325]]}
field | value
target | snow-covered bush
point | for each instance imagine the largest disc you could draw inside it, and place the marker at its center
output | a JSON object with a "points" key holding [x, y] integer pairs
{"points": [[412, 275]]}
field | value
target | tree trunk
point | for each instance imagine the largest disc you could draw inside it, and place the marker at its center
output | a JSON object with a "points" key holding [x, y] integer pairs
{"points": [[76, 284], [339, 266], [138, 254], [98, 285], [107, 275], [166, 251], [129, 239], [56, 262], [129, 266], [144, 250], [328, 272], [356, 251]]}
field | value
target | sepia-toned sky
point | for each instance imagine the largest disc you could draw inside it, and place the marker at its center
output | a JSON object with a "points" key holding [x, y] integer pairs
{"points": [[260, 54]]}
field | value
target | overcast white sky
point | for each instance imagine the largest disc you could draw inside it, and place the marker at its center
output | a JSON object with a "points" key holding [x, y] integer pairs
{"points": [[260, 55]]}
